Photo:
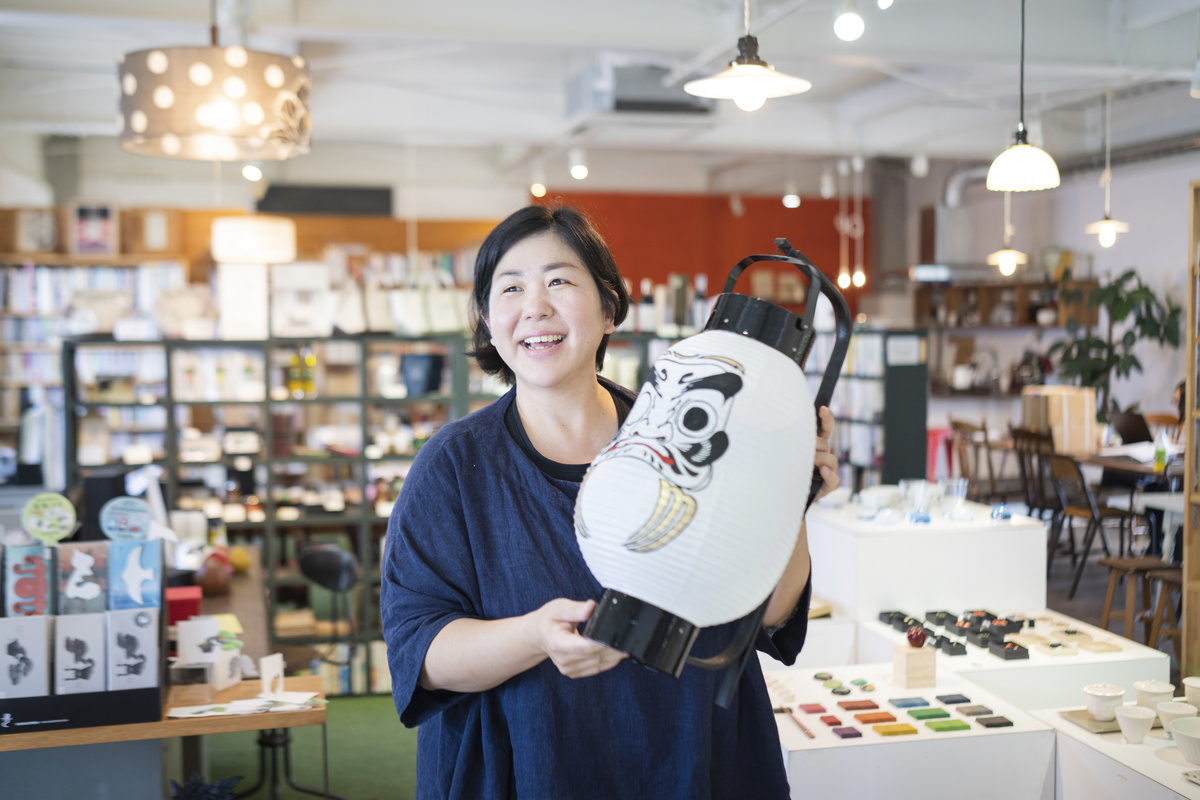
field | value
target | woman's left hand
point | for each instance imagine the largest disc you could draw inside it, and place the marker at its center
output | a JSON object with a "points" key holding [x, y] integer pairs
{"points": [[824, 459]]}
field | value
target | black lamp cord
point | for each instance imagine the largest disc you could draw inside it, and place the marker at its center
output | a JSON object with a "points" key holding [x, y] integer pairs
{"points": [[1021, 121]]}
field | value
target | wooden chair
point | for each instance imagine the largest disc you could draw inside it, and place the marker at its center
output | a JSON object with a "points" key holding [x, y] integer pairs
{"points": [[1164, 421], [974, 455], [1165, 622], [1133, 571], [1078, 502], [1032, 449]]}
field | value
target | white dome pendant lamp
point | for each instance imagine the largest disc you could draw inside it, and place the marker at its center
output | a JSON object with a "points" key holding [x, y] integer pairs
{"points": [[749, 81], [1022, 167], [689, 516]]}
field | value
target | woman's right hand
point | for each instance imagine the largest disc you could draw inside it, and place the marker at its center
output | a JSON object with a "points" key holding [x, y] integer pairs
{"points": [[553, 627]]}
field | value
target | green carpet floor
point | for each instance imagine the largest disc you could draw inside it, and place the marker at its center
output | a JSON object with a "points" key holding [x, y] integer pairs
{"points": [[371, 755]]}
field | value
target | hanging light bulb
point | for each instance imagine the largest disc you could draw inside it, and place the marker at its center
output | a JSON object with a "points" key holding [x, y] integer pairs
{"points": [[791, 199], [1107, 228], [884, 5], [749, 81], [1007, 259], [918, 165], [1022, 167], [844, 280], [827, 184], [849, 23], [252, 172], [859, 278], [537, 186], [578, 163]]}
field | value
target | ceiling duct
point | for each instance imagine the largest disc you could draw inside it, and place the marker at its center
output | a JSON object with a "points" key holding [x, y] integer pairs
{"points": [[618, 85]]}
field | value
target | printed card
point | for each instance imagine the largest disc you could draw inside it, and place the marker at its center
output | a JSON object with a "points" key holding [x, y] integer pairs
{"points": [[133, 649], [79, 654], [25, 656], [83, 578], [134, 574], [28, 580]]}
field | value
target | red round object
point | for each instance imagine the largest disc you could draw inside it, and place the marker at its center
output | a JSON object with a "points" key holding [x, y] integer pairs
{"points": [[916, 636], [214, 577]]}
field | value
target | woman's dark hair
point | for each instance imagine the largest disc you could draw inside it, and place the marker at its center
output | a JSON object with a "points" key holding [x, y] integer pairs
{"points": [[577, 233]]}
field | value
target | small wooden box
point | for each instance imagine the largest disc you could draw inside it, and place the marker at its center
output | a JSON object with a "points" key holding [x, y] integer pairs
{"points": [[29, 230], [914, 667], [151, 230]]}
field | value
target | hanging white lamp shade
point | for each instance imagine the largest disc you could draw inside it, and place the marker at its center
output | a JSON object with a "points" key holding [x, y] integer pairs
{"points": [[749, 81], [1022, 168], [1107, 230], [690, 515], [214, 104], [1007, 260]]}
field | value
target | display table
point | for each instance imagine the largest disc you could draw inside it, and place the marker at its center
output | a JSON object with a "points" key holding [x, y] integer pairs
{"points": [[863, 567], [131, 770], [1042, 680], [966, 763], [1103, 766]]}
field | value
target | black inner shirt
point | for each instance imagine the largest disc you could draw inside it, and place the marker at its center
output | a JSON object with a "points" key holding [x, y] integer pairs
{"points": [[563, 472]]}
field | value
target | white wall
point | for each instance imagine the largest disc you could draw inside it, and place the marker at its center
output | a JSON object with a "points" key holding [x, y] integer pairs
{"points": [[22, 176]]}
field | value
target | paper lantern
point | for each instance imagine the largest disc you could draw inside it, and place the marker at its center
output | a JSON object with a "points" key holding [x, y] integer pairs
{"points": [[689, 516]]}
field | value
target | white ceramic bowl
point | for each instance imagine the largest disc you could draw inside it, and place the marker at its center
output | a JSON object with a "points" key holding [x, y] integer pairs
{"points": [[1171, 711], [1151, 693], [1191, 690], [1135, 722], [1103, 699], [1186, 733]]}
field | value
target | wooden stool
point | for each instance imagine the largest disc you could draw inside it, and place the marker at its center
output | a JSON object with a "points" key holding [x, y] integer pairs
{"points": [[1164, 612], [1131, 569]]}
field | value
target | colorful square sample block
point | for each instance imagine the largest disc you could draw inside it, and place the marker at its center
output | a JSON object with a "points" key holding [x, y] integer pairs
{"points": [[928, 713], [831, 720], [28, 580], [902, 729], [874, 717], [908, 702], [847, 733], [812, 708], [133, 649], [25, 656], [80, 660], [994, 722], [973, 711], [947, 725], [135, 573], [953, 699], [83, 578], [857, 705]]}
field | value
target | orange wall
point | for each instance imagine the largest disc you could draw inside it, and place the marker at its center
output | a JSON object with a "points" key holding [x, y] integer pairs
{"points": [[653, 235]]}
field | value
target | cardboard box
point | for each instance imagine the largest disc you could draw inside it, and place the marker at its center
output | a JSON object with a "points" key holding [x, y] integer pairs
{"points": [[83, 577], [80, 654], [133, 649], [28, 580], [1066, 412], [914, 667], [25, 652]]}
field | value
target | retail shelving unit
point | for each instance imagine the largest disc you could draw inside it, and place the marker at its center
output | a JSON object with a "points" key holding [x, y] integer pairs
{"points": [[1190, 658], [881, 403]]}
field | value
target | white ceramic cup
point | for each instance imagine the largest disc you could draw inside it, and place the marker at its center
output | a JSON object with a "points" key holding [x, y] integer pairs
{"points": [[1103, 699], [1151, 693], [1186, 733], [1191, 690], [1173, 710], [1135, 722]]}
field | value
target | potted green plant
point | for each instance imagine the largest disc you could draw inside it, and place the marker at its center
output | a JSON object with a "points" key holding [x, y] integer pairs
{"points": [[1094, 360]]}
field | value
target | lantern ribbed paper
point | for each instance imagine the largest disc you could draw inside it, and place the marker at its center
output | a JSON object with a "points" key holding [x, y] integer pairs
{"points": [[695, 506]]}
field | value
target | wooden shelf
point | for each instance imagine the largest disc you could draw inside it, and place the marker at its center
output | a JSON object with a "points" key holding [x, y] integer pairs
{"points": [[960, 299], [94, 260]]}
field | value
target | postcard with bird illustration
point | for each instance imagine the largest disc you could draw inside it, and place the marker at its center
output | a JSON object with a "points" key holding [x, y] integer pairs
{"points": [[135, 573]]}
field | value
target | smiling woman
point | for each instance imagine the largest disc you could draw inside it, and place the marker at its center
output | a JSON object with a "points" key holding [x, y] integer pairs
{"points": [[485, 586]]}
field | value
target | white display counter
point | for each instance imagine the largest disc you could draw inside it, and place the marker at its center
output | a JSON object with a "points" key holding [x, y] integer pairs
{"points": [[1042, 680], [863, 567], [915, 766], [1103, 766]]}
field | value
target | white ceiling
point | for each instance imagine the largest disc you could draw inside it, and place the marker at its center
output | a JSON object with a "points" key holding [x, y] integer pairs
{"points": [[938, 77]]}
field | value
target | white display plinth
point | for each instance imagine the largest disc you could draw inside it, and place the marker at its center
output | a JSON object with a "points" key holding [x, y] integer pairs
{"points": [[1103, 766], [863, 567], [1042, 680], [915, 766], [829, 641]]}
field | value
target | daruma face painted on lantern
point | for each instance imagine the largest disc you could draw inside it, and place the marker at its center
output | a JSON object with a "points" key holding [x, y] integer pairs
{"points": [[695, 505]]}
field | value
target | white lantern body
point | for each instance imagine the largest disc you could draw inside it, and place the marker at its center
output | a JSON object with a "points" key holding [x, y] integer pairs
{"points": [[696, 504]]}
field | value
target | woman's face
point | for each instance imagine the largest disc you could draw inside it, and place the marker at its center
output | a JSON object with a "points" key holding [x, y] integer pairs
{"points": [[545, 314]]}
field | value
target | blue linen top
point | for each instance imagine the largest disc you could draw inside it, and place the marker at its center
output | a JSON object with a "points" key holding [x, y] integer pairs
{"points": [[479, 531]]}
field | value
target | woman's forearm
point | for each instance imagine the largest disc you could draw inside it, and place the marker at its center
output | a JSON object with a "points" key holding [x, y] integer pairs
{"points": [[474, 655], [791, 585]]}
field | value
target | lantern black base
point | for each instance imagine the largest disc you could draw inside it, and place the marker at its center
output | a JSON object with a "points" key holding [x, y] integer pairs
{"points": [[650, 636]]}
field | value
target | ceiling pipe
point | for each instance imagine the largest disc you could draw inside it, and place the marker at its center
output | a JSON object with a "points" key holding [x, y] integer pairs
{"points": [[957, 183]]}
